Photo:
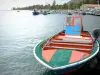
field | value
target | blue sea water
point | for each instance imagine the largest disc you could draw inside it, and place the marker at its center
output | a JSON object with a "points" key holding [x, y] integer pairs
{"points": [[21, 31]]}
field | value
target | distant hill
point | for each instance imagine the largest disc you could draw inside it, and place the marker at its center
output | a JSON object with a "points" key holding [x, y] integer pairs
{"points": [[72, 4], [85, 1]]}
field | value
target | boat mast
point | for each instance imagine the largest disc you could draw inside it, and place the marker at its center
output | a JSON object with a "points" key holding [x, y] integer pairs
{"points": [[46, 2], [68, 7], [82, 5], [98, 3]]}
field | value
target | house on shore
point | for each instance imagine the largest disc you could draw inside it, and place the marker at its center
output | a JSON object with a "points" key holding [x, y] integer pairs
{"points": [[89, 7]]}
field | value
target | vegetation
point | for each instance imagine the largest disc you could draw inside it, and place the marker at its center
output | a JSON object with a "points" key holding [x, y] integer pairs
{"points": [[73, 4]]}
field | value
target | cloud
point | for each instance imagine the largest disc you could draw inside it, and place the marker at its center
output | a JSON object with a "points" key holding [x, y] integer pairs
{"points": [[63, 1]]}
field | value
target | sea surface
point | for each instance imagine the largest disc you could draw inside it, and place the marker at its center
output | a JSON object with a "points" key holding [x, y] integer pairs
{"points": [[21, 31]]}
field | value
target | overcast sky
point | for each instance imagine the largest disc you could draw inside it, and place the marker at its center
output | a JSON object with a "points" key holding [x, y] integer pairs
{"points": [[8, 4]]}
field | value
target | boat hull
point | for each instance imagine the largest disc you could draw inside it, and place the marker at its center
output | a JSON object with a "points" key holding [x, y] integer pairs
{"points": [[35, 13], [63, 65], [69, 69]]}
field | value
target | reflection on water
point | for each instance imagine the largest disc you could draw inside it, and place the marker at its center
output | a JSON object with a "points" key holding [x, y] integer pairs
{"points": [[21, 31]]}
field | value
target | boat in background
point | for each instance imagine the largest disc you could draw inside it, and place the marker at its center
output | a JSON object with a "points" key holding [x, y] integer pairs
{"points": [[96, 12], [83, 13], [45, 13], [69, 49], [35, 12], [69, 13]]}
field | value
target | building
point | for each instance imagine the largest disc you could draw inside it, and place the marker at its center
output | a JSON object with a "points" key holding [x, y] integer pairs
{"points": [[90, 6]]}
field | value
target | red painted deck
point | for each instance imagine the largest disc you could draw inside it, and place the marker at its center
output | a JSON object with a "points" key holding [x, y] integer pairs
{"points": [[78, 55], [48, 54]]}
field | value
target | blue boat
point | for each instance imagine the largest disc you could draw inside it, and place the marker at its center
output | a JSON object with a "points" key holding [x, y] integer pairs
{"points": [[35, 12]]}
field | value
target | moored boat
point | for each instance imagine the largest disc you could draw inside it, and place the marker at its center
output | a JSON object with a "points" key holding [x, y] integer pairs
{"points": [[35, 12], [96, 12], [69, 49], [45, 13]]}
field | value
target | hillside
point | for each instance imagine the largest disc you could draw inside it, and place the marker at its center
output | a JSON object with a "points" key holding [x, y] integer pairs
{"points": [[73, 4]]}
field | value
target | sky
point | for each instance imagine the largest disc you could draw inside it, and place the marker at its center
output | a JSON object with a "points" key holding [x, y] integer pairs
{"points": [[8, 4]]}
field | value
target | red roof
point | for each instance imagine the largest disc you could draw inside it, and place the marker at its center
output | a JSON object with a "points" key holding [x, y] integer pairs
{"points": [[92, 5]]}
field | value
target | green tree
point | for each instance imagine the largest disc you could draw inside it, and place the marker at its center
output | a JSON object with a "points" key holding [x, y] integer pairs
{"points": [[65, 6]]}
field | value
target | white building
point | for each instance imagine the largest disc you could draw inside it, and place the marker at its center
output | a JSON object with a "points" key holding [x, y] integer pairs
{"points": [[90, 6]]}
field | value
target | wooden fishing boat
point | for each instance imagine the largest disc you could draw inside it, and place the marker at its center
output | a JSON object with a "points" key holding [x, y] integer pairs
{"points": [[69, 49]]}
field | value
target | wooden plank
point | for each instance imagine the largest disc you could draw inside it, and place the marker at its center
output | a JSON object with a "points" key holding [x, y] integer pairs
{"points": [[79, 44], [71, 46], [71, 41], [65, 48]]}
